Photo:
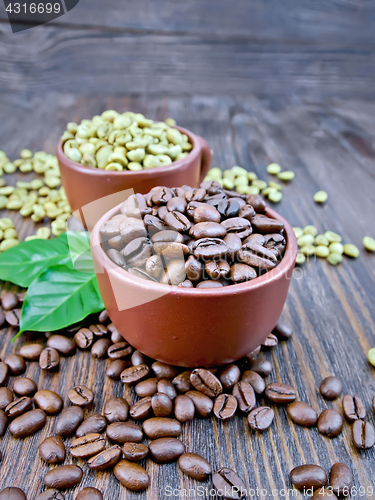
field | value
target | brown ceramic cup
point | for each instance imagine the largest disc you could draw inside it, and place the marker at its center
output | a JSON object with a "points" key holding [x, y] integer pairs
{"points": [[193, 327], [84, 185]]}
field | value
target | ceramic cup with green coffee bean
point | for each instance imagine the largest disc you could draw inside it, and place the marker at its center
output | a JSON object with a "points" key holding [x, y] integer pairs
{"points": [[122, 142]]}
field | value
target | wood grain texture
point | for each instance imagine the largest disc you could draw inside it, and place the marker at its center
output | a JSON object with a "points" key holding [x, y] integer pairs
{"points": [[330, 146], [86, 61]]}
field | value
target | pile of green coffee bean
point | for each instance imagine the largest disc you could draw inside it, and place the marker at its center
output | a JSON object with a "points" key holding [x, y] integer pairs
{"points": [[127, 141], [245, 182], [38, 198]]}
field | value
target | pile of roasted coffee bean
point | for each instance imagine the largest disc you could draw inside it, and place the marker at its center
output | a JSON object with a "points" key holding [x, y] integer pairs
{"points": [[163, 399], [204, 238]]}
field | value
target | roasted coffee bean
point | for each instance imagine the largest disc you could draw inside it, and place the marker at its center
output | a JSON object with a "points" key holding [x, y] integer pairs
{"points": [[80, 395], [103, 317], [182, 382], [161, 195], [98, 330], [91, 425], [257, 202], [48, 401], [228, 207], [276, 243], [69, 420], [134, 374], [52, 450], [225, 406], [229, 484], [161, 404], [195, 466], [18, 407], [12, 494], [116, 410], [323, 493], [163, 370], [137, 251], [87, 446], [154, 223], [49, 359], [195, 194], [177, 221], [255, 380], [6, 397], [147, 387], [208, 230], [270, 342], [330, 423], [9, 301], [282, 330], [50, 494], [266, 225], [122, 432], [84, 338], [230, 376], [100, 348], [63, 345], [177, 203], [255, 353], [116, 257], [16, 364], [242, 272], [247, 212], [165, 450], [209, 248], [156, 427], [238, 225], [184, 408], [116, 337], [105, 459], [193, 268], [116, 368], [135, 451], [31, 352], [245, 395], [132, 475], [13, 317], [166, 387], [353, 408], [120, 350], [307, 477], [302, 414], [89, 494], [24, 386], [141, 409], [63, 477], [280, 393], [206, 213], [2, 319], [331, 388], [341, 479], [234, 243], [261, 418], [261, 366], [217, 268], [28, 423], [256, 255], [363, 435], [3, 422], [204, 381], [4, 369], [131, 228], [138, 358], [202, 403]]}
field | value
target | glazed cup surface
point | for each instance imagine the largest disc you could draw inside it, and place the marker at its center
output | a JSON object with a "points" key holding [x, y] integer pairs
{"points": [[193, 327], [84, 185]]}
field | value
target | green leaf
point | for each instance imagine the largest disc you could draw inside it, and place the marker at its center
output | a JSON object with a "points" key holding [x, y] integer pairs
{"points": [[23, 263], [60, 296]]}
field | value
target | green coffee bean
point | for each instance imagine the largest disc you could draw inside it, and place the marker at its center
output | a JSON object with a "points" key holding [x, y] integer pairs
{"points": [[252, 176], [260, 184], [174, 136], [286, 176], [215, 173], [322, 251], [368, 243], [44, 233], [52, 182], [7, 244], [306, 239], [114, 167], [253, 190], [26, 154], [298, 231], [58, 227], [336, 248], [151, 161], [239, 170], [7, 190], [1, 234], [9, 168], [243, 189], [308, 250], [134, 166], [310, 230], [170, 121], [321, 239], [301, 258], [14, 205], [228, 184], [241, 181], [351, 250], [10, 233], [2, 183], [334, 258], [275, 196], [273, 168], [164, 159], [275, 185], [320, 197], [3, 201], [6, 222], [180, 156], [332, 237], [371, 356]]}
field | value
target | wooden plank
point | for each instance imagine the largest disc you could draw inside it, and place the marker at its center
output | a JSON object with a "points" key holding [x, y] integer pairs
{"points": [[331, 309], [55, 59], [320, 22]]}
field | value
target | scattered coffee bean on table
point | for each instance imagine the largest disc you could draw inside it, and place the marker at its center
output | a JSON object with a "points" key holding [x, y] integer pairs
{"points": [[135, 451], [91, 425], [80, 396], [6, 397], [353, 408], [255, 380], [341, 479], [12, 494], [132, 475], [16, 364], [116, 410], [331, 387], [157, 427], [225, 407], [229, 484], [261, 418], [48, 401], [87, 446], [9, 301], [52, 450], [280, 393], [282, 330], [31, 352], [89, 494], [302, 414], [121, 432], [18, 407], [308, 476], [51, 494], [63, 477], [68, 421], [3, 422], [195, 466], [49, 359], [330, 423], [363, 435], [28, 423], [62, 344], [24, 386], [3, 373], [105, 459], [167, 449]]}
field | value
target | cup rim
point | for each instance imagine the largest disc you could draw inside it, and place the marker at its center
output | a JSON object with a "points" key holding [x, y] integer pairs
{"points": [[286, 265], [175, 165]]}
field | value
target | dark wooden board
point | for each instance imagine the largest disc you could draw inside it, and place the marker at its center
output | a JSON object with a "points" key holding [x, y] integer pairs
{"points": [[330, 146], [86, 61], [320, 22]]}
